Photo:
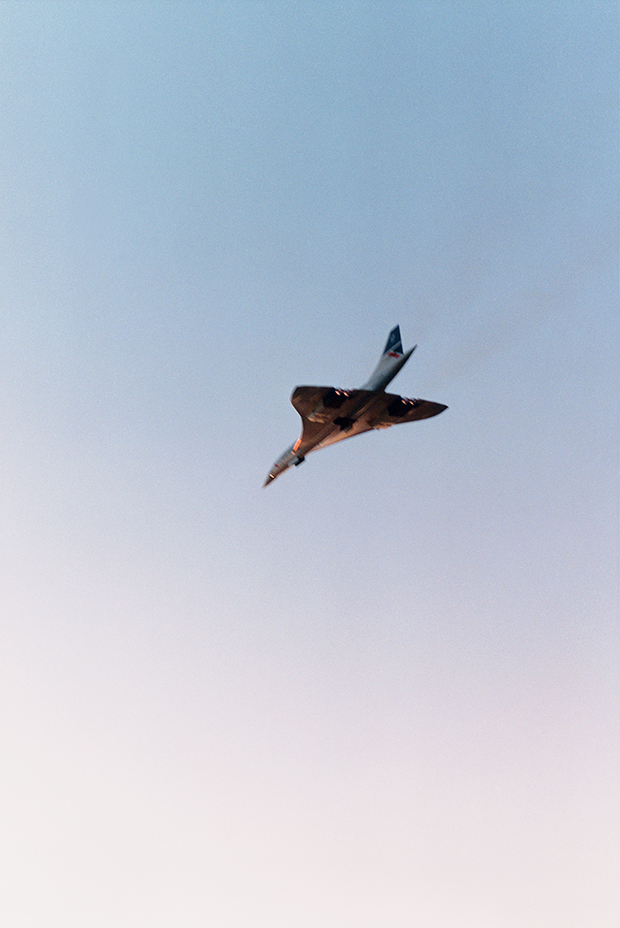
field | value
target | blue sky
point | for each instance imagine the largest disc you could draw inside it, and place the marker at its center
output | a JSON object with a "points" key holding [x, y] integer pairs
{"points": [[382, 691]]}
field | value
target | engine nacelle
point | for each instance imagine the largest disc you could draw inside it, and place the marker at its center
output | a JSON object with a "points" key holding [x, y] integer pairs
{"points": [[401, 406]]}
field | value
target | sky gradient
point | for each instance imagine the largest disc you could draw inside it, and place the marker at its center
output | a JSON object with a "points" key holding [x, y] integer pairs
{"points": [[384, 690]]}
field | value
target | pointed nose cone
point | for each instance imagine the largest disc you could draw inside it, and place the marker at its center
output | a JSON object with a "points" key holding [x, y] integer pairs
{"points": [[270, 477]]}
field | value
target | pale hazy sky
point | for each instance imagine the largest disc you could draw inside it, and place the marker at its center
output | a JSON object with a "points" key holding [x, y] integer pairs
{"points": [[383, 692]]}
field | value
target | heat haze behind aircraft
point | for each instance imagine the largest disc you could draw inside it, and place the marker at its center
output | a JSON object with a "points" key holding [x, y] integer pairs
{"points": [[329, 415]]}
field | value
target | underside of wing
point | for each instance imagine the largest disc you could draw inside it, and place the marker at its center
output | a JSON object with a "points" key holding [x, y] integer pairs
{"points": [[393, 409], [329, 415]]}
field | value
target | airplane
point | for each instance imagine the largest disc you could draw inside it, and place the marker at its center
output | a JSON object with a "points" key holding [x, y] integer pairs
{"points": [[329, 415]]}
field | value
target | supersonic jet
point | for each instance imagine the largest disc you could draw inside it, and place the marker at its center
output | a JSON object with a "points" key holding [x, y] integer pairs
{"points": [[329, 415]]}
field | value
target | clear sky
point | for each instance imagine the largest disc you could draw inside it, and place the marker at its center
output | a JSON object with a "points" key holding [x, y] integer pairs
{"points": [[383, 691]]}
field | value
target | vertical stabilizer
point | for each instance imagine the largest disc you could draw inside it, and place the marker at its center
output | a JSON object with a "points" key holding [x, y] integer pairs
{"points": [[390, 362], [394, 345]]}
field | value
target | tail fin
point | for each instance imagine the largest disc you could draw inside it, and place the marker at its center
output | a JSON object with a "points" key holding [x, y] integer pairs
{"points": [[394, 345], [390, 362]]}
